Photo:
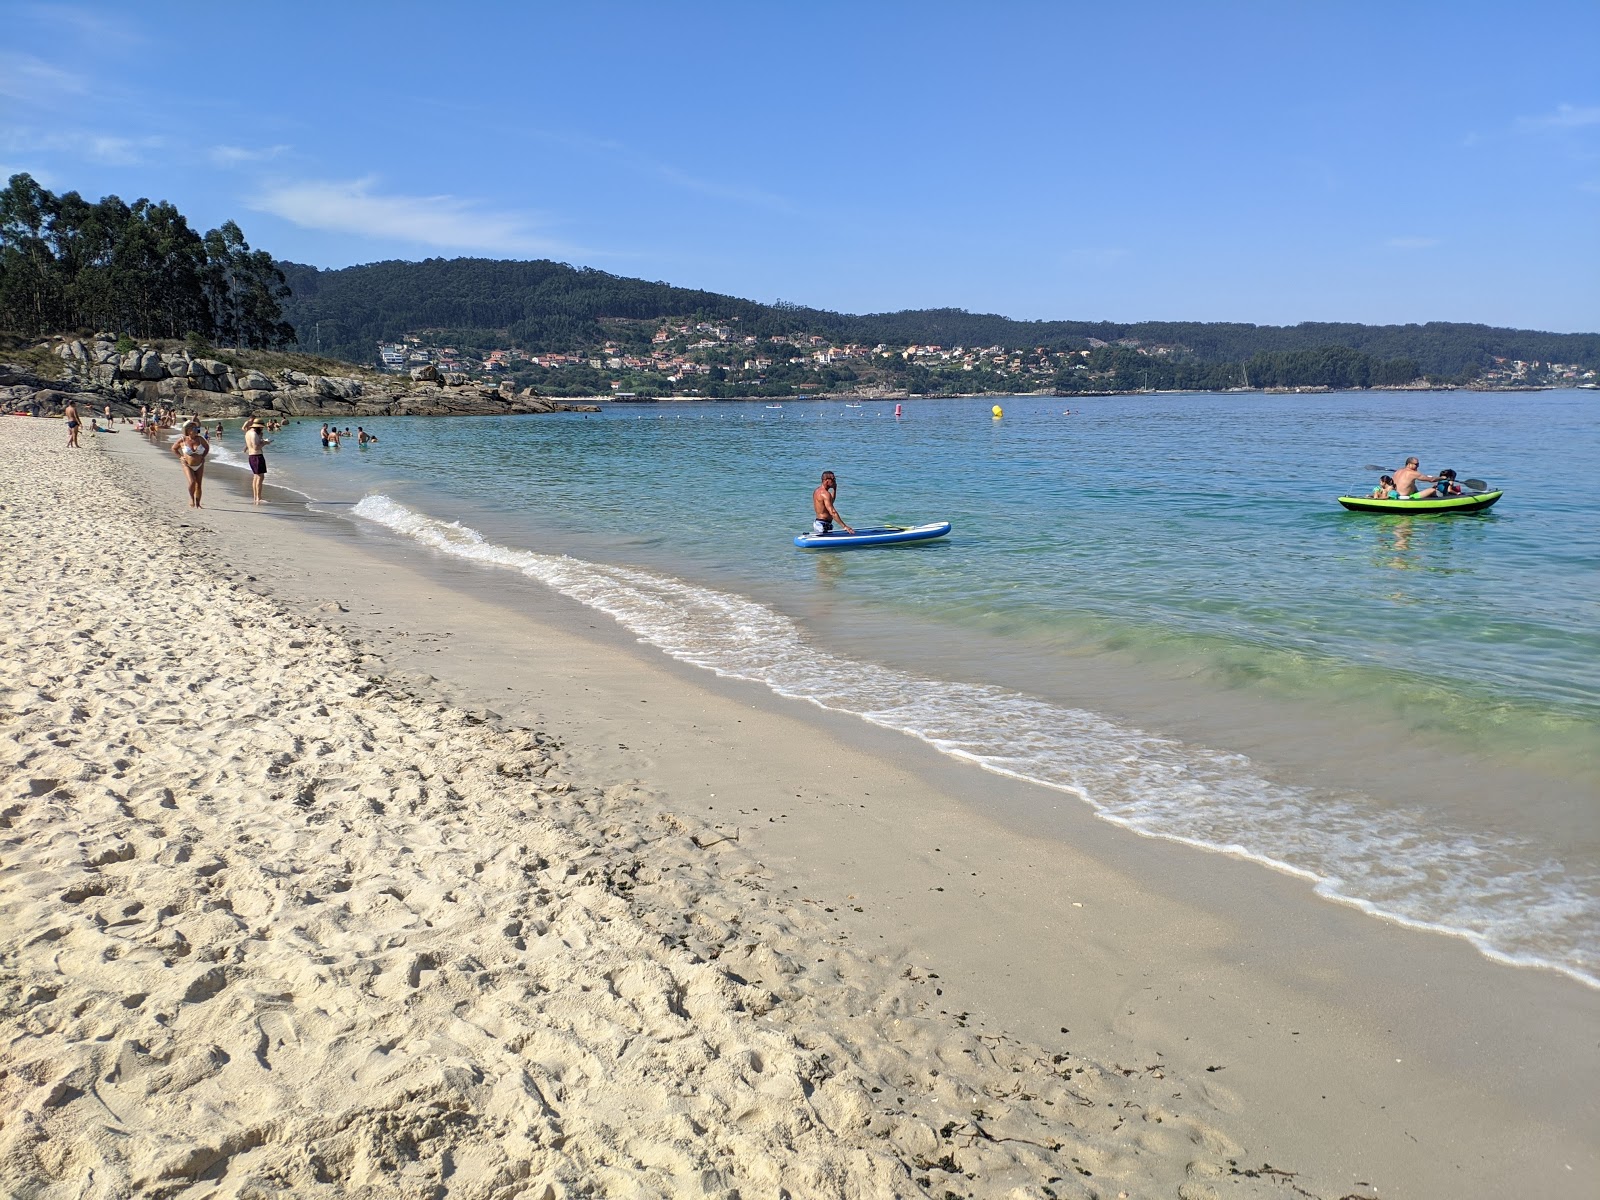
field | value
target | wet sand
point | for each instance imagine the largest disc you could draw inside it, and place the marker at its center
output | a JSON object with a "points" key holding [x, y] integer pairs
{"points": [[961, 942]]}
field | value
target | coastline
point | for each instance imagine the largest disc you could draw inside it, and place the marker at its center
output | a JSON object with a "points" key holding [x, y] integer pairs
{"points": [[95, 376], [1275, 1015]]}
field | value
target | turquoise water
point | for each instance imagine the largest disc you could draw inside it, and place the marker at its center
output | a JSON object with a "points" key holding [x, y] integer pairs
{"points": [[1108, 568]]}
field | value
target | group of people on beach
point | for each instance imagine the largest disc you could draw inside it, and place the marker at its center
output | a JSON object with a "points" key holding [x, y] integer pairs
{"points": [[193, 445], [149, 420], [1406, 484], [192, 448]]}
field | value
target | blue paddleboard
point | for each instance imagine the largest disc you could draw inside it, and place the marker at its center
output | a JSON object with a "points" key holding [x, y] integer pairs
{"points": [[888, 535]]}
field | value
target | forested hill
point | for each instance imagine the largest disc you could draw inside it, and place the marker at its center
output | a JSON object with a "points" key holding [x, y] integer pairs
{"points": [[549, 306]]}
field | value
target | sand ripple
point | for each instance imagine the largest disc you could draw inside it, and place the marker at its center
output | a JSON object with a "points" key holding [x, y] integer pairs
{"points": [[275, 927]]}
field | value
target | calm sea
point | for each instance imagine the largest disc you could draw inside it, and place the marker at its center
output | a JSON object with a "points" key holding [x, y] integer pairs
{"points": [[1151, 603]]}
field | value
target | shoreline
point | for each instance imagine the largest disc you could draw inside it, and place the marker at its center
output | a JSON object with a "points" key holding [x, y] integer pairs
{"points": [[1149, 953], [1157, 872], [22, 388]]}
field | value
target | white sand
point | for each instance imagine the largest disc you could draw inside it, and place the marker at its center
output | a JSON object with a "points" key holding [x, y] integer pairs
{"points": [[269, 927], [273, 929]]}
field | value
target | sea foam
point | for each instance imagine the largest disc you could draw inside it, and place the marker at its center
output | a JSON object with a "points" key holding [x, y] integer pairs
{"points": [[1514, 903]]}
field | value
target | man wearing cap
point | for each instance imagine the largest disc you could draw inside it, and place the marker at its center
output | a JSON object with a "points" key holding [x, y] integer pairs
{"points": [[255, 444]]}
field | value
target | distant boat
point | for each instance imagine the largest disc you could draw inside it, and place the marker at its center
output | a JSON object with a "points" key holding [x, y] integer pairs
{"points": [[774, 406], [852, 406]]}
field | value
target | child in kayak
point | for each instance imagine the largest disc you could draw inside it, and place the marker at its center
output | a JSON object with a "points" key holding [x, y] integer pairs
{"points": [[1447, 485], [1385, 489]]}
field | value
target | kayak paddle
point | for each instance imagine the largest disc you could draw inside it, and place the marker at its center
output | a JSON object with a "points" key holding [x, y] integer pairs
{"points": [[1476, 485]]}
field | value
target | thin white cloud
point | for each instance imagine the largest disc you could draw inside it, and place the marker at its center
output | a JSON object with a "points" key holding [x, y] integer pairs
{"points": [[42, 178], [645, 164], [118, 151], [87, 23], [106, 149], [238, 156], [444, 222], [1412, 243], [24, 77], [1566, 116], [740, 195]]}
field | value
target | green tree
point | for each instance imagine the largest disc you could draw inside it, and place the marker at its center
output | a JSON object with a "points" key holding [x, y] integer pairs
{"points": [[137, 269], [30, 293]]}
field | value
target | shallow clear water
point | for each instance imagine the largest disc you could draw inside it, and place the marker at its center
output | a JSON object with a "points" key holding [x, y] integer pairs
{"points": [[1189, 541]]}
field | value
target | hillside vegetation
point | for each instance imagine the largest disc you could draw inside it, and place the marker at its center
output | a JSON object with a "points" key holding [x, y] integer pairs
{"points": [[139, 272], [545, 306]]}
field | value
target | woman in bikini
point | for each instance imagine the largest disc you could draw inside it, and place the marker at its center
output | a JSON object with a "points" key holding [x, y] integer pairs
{"points": [[191, 450]]}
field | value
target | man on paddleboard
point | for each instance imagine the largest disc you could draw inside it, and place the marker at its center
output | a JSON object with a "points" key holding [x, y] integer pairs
{"points": [[822, 503]]}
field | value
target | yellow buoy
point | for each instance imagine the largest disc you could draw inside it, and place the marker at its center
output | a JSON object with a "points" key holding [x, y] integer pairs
{"points": [[996, 411]]}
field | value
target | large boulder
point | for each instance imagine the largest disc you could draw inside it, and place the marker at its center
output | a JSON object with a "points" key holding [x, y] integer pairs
{"points": [[455, 379], [336, 387], [255, 381], [151, 367], [258, 397], [425, 374]]}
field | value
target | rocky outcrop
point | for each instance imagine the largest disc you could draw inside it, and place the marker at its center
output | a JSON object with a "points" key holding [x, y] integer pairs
{"points": [[147, 377]]}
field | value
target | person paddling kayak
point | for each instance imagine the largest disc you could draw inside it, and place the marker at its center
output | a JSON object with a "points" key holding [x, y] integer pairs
{"points": [[1407, 478], [822, 504]]}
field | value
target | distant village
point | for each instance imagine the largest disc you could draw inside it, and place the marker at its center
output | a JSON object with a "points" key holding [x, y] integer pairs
{"points": [[682, 353], [683, 357], [1514, 372]]}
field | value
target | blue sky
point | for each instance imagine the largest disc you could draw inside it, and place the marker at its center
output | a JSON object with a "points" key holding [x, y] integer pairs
{"points": [[1266, 162]]}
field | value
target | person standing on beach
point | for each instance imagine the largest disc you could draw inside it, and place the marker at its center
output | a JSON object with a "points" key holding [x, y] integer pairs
{"points": [[191, 450], [822, 504], [71, 414], [255, 444]]}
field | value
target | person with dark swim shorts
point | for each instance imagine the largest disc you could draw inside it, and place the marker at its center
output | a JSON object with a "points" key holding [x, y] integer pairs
{"points": [[822, 504], [255, 444], [73, 423]]}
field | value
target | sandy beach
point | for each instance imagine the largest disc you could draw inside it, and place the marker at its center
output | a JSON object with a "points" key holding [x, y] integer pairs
{"points": [[332, 868]]}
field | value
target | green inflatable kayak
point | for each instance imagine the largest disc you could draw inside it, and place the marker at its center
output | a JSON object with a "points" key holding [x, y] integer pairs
{"points": [[1447, 504]]}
